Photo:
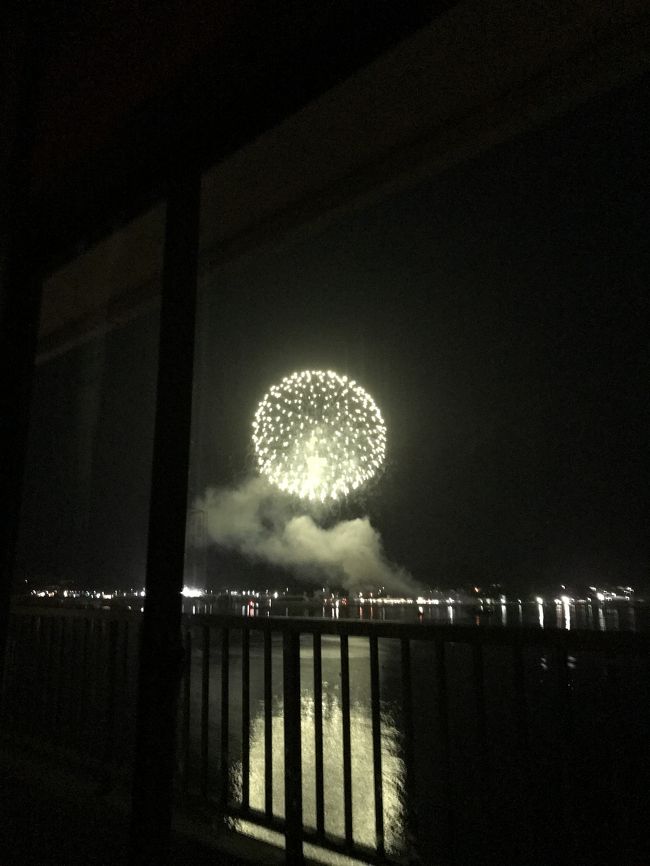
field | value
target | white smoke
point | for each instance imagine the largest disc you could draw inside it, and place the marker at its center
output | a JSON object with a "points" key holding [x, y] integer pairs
{"points": [[257, 520]]}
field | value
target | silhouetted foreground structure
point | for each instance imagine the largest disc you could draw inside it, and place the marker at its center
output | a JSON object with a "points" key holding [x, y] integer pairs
{"points": [[480, 743], [122, 125]]}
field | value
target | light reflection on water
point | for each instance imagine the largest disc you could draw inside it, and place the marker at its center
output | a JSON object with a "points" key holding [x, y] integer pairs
{"points": [[363, 804]]}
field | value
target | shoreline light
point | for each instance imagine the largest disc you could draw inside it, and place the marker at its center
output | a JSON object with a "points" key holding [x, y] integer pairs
{"points": [[318, 435]]}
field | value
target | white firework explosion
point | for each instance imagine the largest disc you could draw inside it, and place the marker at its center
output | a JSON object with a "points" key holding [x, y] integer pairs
{"points": [[318, 435]]}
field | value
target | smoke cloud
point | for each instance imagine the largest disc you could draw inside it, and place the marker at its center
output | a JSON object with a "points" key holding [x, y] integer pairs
{"points": [[257, 521]]}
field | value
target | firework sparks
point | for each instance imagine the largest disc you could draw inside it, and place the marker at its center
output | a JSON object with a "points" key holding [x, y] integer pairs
{"points": [[318, 435]]}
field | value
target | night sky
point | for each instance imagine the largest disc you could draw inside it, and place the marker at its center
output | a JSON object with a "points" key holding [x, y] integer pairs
{"points": [[497, 314]]}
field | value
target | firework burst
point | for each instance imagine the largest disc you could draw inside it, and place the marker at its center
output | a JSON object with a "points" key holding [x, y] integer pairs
{"points": [[318, 435]]}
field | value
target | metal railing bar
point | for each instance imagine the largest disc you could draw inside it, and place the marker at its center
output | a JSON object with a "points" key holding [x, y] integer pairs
{"points": [[525, 774], [41, 667], [621, 785], [82, 710], [111, 676], [376, 745], [268, 725], [83, 693], [478, 674], [49, 667], [328, 843], [205, 712], [292, 749], [74, 679], [347, 748], [575, 639], [35, 642], [483, 765], [521, 699], [127, 692], [564, 717], [98, 696], [408, 741], [318, 735], [21, 682], [77, 613], [622, 641], [311, 835], [92, 692], [224, 782], [45, 650], [448, 853], [17, 680], [186, 707], [27, 667], [498, 635], [59, 676], [125, 678], [245, 717], [70, 680]]}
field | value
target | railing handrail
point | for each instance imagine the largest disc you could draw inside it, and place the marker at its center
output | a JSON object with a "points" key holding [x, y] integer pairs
{"points": [[90, 698], [112, 614], [498, 635]]}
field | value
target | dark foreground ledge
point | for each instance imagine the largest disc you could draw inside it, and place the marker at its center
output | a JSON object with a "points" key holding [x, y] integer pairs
{"points": [[52, 815]]}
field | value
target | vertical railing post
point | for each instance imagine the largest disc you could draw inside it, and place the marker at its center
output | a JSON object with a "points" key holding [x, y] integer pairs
{"points": [[36, 683], [409, 749], [161, 650], [521, 700], [186, 714], [483, 816], [224, 764], [125, 678], [59, 677], [347, 744], [48, 668], [318, 735], [268, 724], [621, 785], [205, 712], [565, 749], [525, 771], [376, 744], [111, 696], [292, 749], [448, 853], [72, 675], [84, 691], [245, 718]]}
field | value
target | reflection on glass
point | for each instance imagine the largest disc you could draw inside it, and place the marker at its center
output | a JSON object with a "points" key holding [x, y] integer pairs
{"points": [[566, 611], [87, 475]]}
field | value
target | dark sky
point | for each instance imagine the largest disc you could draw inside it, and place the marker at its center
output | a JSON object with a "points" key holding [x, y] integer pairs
{"points": [[497, 315]]}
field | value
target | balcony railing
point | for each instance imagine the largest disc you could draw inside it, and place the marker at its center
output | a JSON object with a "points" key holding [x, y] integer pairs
{"points": [[386, 741]]}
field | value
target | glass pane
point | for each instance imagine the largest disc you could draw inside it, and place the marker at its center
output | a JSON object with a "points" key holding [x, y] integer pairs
{"points": [[83, 529], [492, 316]]}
